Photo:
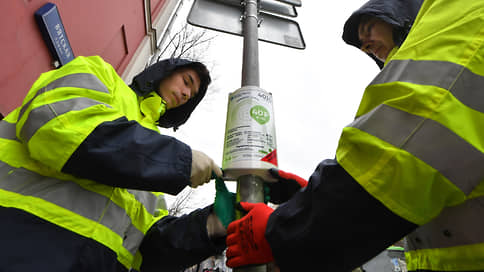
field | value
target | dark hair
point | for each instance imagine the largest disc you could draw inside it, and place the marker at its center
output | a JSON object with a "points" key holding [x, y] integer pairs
{"points": [[179, 115], [201, 71], [398, 33], [363, 19]]}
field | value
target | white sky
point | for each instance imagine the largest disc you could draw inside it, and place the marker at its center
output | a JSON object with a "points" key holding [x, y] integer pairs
{"points": [[316, 91]]}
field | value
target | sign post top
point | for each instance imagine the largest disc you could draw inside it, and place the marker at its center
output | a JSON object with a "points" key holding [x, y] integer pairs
{"points": [[296, 3], [271, 6], [226, 18]]}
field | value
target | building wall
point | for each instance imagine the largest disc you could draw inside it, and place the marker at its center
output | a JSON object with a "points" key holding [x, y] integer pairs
{"points": [[162, 13], [114, 29]]}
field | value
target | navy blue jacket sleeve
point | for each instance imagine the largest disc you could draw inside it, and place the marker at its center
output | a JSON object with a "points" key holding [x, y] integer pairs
{"points": [[123, 153], [174, 243], [332, 225]]}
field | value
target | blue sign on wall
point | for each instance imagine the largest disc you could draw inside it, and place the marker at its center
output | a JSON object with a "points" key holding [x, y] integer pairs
{"points": [[54, 34]]}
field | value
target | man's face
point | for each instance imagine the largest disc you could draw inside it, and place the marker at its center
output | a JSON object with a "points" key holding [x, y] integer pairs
{"points": [[376, 37], [179, 87]]}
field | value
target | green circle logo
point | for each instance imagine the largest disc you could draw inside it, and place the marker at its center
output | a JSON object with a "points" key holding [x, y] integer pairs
{"points": [[260, 114]]}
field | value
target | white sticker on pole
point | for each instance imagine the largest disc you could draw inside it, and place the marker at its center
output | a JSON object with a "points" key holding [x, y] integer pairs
{"points": [[250, 138]]}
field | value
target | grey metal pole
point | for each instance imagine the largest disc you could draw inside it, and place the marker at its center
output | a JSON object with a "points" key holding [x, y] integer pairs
{"points": [[250, 187], [250, 64]]}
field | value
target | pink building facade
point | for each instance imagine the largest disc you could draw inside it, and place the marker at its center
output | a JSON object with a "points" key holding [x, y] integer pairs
{"points": [[123, 32]]}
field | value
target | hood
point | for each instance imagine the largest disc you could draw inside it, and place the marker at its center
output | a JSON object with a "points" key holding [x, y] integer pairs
{"points": [[399, 13], [149, 80]]}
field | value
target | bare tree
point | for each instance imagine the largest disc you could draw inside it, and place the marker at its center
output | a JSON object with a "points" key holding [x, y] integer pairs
{"points": [[188, 42]]}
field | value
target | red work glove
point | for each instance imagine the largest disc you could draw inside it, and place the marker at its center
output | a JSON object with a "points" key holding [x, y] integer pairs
{"points": [[246, 242], [286, 186]]}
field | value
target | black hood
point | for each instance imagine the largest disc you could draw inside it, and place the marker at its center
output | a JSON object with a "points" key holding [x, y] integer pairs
{"points": [[149, 80], [399, 13]]}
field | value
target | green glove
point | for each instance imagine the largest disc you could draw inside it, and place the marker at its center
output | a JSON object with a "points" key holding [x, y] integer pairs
{"points": [[224, 205]]}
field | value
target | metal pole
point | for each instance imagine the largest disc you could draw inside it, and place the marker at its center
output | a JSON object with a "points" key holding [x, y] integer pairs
{"points": [[250, 64], [250, 187]]}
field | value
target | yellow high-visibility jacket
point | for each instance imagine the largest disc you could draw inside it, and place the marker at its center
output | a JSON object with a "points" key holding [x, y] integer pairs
{"points": [[68, 155], [410, 163], [417, 144]]}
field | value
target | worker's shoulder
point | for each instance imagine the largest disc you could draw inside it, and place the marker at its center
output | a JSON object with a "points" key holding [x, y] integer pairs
{"points": [[91, 61], [93, 65]]}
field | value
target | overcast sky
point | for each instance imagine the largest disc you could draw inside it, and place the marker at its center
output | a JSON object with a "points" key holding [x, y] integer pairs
{"points": [[316, 91]]}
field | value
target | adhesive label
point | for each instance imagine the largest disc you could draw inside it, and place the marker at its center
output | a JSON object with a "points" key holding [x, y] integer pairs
{"points": [[250, 140]]}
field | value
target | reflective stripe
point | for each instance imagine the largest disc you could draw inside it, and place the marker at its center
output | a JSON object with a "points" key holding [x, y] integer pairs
{"points": [[434, 144], [455, 226], [133, 235], [7, 130], [436, 73], [146, 198], [79, 80], [43, 114], [132, 239], [456, 259], [465, 85], [71, 196]]}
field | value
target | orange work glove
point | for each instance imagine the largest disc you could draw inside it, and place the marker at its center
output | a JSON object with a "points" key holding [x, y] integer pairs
{"points": [[246, 242]]}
